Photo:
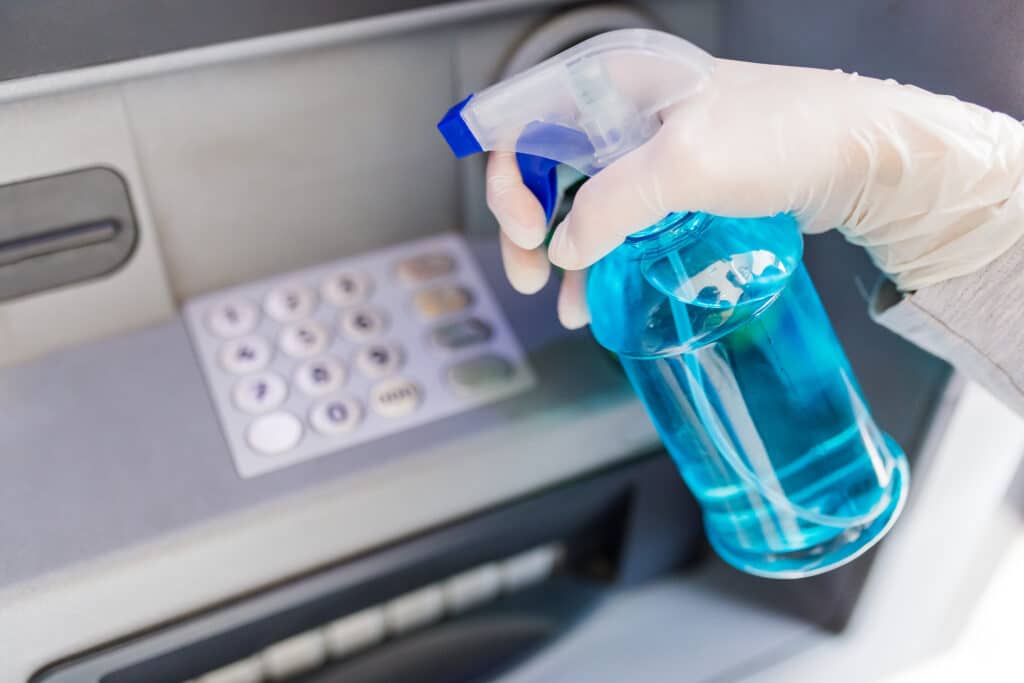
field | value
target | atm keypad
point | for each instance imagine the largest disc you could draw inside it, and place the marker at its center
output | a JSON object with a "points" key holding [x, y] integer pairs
{"points": [[335, 356]]}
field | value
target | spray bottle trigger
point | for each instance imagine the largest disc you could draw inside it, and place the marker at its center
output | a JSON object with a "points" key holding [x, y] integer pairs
{"points": [[540, 175]]}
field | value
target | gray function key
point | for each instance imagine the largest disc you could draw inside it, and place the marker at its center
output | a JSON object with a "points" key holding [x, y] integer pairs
{"points": [[460, 334], [425, 267], [480, 374]]}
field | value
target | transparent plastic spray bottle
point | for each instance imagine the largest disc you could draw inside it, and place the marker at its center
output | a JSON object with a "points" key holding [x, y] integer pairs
{"points": [[714, 319]]}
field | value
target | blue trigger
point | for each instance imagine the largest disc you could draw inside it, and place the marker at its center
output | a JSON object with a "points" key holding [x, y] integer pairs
{"points": [[540, 175], [540, 172]]}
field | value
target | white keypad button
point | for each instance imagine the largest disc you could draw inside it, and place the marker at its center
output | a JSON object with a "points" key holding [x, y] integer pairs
{"points": [[232, 319], [355, 632], [336, 415], [260, 393], [347, 288], [412, 610], [529, 568], [304, 339], [275, 433], [379, 360], [245, 355], [363, 324], [248, 670], [320, 376], [471, 588], [290, 303], [395, 397], [293, 656]]}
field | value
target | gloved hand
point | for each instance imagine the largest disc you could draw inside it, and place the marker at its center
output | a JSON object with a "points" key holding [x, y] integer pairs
{"points": [[930, 185]]}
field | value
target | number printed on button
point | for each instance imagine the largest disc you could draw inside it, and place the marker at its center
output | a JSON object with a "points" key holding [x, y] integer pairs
{"points": [[304, 339], [363, 324], [379, 360], [290, 303], [395, 397], [260, 393], [320, 376], [232, 319], [336, 415], [245, 355], [347, 288]]}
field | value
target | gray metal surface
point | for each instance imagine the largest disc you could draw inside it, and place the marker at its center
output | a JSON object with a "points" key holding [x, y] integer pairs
{"points": [[117, 443]]}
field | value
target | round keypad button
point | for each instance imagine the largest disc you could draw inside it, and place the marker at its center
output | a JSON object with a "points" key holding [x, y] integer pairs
{"points": [[245, 355], [379, 360], [336, 415], [303, 340], [260, 393], [232, 318], [363, 324], [290, 303], [395, 397], [275, 433], [320, 376], [347, 288]]}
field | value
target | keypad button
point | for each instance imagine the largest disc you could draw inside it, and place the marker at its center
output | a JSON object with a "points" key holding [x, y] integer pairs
{"points": [[441, 301], [425, 267], [395, 397], [413, 610], [355, 632], [290, 303], [245, 355], [248, 670], [336, 415], [460, 334], [529, 568], [480, 374], [286, 659], [304, 339], [275, 433], [363, 324], [471, 588], [232, 319], [320, 376], [347, 288], [379, 360], [260, 393]]}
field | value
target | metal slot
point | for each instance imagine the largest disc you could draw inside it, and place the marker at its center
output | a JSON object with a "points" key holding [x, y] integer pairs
{"points": [[61, 239]]}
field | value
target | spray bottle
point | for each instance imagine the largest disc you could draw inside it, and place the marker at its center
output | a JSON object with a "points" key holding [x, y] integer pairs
{"points": [[714, 319]]}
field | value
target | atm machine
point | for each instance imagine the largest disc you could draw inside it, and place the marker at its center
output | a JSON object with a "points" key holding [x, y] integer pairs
{"points": [[270, 412]]}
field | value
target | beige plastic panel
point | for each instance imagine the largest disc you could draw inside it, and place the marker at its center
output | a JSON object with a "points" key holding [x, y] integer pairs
{"points": [[278, 163], [55, 134]]}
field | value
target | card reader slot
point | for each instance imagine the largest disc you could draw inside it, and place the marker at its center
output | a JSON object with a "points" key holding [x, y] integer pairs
{"points": [[57, 240]]}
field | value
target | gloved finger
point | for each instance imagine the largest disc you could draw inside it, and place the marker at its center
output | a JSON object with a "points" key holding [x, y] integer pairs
{"points": [[627, 196], [518, 212], [572, 300], [526, 269]]}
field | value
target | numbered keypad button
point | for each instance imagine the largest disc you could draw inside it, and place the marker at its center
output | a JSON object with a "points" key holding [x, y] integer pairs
{"points": [[336, 415], [260, 393], [232, 319], [245, 355], [320, 376], [290, 303], [347, 288], [395, 397], [441, 301], [363, 324], [379, 360], [425, 267], [275, 433], [304, 339]]}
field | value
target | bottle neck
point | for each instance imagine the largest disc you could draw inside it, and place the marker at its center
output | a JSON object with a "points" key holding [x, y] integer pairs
{"points": [[671, 230]]}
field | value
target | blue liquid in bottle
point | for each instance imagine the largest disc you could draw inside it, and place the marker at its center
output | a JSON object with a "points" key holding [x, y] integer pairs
{"points": [[723, 336]]}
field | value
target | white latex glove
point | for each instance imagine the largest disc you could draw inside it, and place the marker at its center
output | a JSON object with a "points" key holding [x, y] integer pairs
{"points": [[930, 185]]}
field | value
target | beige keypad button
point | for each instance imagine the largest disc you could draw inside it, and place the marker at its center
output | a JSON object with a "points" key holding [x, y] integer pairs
{"points": [[336, 415], [260, 393], [395, 397], [289, 303], [422, 268], [232, 318], [347, 288], [303, 340], [379, 360], [441, 301], [245, 355], [319, 376], [363, 324]]}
